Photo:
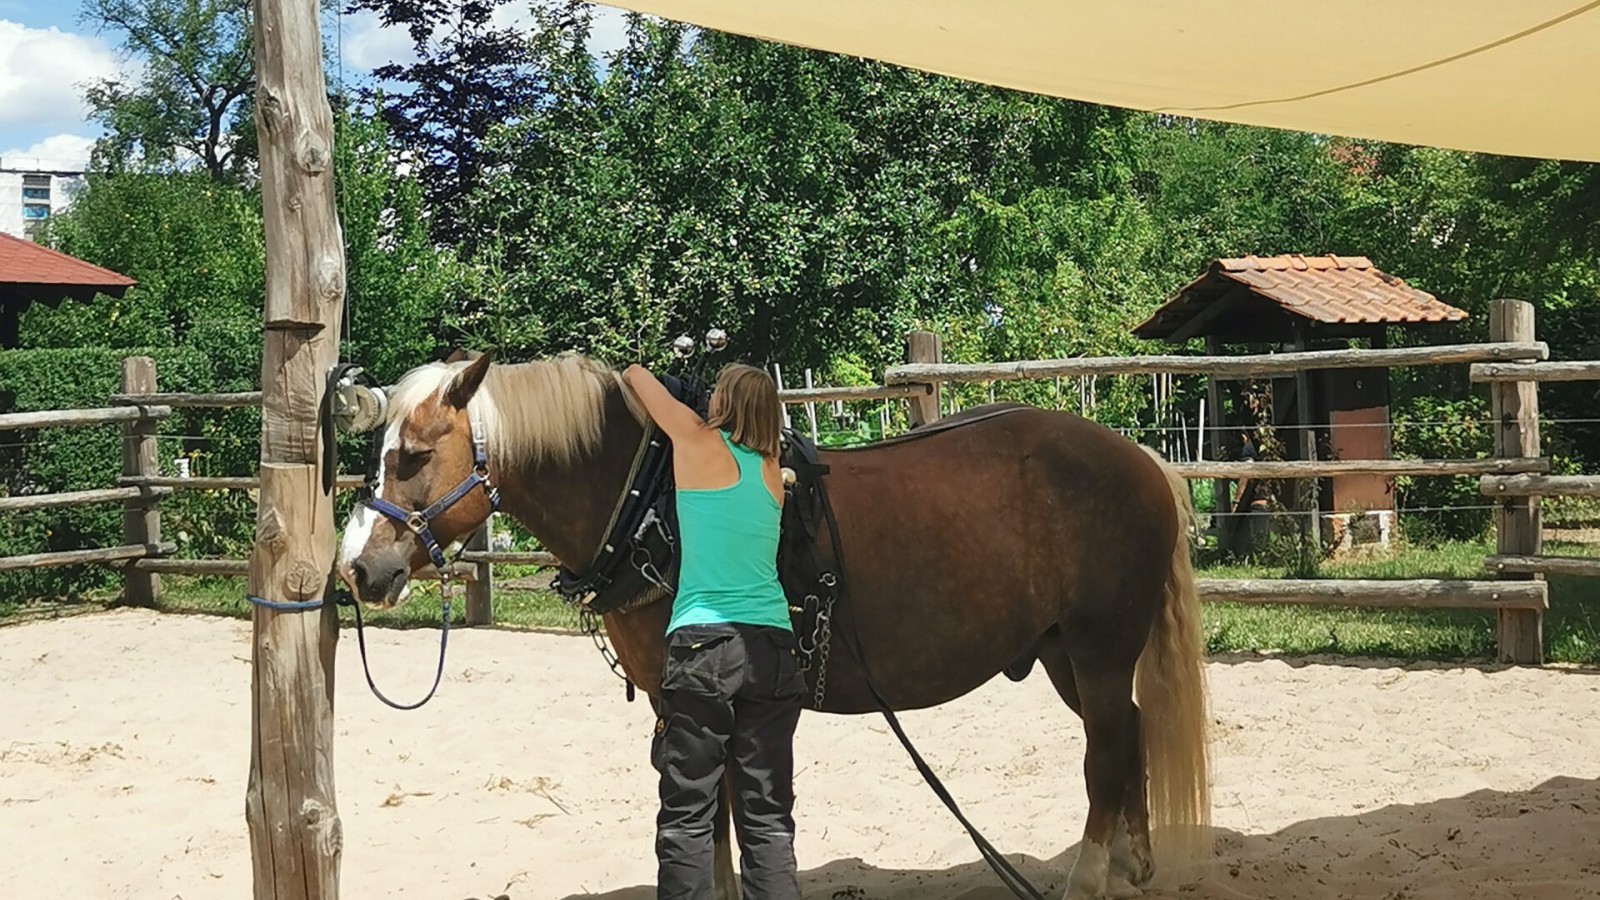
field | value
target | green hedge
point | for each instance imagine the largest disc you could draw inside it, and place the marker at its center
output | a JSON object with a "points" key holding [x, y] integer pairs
{"points": [[49, 460]]}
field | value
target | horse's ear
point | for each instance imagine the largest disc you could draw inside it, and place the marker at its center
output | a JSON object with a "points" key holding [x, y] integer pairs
{"points": [[467, 382], [461, 354]]}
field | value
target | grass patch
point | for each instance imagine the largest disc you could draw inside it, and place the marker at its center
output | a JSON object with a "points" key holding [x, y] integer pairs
{"points": [[1572, 624], [513, 608]]}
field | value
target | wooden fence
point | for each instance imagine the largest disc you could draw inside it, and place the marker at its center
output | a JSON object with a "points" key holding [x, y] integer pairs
{"points": [[1512, 362]]}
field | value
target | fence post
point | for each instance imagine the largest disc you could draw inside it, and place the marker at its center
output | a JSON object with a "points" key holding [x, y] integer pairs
{"points": [[141, 517], [1515, 407], [924, 347], [480, 590]]}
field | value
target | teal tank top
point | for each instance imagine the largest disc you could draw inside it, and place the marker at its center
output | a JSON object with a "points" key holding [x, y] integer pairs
{"points": [[728, 570]]}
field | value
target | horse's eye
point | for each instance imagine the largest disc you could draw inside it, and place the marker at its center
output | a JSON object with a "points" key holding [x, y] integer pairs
{"points": [[414, 459]]}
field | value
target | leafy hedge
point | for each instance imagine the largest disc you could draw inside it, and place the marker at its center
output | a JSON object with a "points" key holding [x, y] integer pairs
{"points": [[49, 460]]}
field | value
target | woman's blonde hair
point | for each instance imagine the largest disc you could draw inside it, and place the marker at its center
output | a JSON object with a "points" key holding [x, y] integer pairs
{"points": [[745, 404]]}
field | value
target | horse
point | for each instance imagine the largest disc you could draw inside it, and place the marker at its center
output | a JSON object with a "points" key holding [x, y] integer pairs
{"points": [[1035, 536]]}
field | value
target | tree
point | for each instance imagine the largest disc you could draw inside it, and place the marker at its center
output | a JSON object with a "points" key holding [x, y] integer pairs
{"points": [[193, 93], [471, 76], [801, 200]]}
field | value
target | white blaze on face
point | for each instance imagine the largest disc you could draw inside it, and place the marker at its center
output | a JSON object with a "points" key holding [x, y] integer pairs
{"points": [[358, 531]]}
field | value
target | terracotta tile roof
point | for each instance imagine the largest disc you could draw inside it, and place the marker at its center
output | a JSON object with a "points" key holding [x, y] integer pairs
{"points": [[1327, 289], [24, 262], [30, 272]]}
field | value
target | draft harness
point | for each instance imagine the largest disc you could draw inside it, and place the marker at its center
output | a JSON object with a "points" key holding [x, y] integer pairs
{"points": [[636, 562]]}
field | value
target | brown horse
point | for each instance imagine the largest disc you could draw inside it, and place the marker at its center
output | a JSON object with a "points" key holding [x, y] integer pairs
{"points": [[1031, 536]]}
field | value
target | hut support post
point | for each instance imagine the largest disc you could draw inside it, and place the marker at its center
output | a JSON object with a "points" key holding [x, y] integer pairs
{"points": [[1219, 486], [1306, 490], [1515, 406], [296, 837]]}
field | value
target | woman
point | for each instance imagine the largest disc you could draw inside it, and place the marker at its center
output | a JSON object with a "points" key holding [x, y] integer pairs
{"points": [[731, 685]]}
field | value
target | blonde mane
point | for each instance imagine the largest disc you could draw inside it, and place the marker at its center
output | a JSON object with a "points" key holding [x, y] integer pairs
{"points": [[550, 410]]}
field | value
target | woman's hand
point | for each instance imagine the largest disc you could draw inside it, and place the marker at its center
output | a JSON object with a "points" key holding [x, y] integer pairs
{"points": [[678, 421]]}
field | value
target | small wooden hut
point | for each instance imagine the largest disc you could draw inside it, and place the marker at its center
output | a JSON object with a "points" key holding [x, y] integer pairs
{"points": [[1264, 304], [30, 273]]}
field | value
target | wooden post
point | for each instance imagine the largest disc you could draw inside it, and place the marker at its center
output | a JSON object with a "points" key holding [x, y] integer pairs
{"points": [[924, 347], [1306, 494], [1219, 487], [1515, 406], [295, 834], [141, 518], [480, 590]]}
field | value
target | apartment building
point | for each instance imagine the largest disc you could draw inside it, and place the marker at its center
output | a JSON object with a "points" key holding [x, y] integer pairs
{"points": [[31, 191]]}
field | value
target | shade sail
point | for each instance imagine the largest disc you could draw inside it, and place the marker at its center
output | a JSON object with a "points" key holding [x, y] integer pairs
{"points": [[1516, 77]]}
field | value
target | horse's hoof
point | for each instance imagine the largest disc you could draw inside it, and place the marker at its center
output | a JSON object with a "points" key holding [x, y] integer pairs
{"points": [[1118, 887]]}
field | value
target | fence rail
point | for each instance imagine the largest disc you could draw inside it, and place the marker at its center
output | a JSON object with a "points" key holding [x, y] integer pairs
{"points": [[1540, 485], [1536, 371], [25, 502], [1426, 593], [1222, 366], [1267, 469], [1543, 565], [1512, 363], [77, 418]]}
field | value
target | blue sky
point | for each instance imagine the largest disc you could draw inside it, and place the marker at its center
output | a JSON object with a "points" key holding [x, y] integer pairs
{"points": [[47, 55]]}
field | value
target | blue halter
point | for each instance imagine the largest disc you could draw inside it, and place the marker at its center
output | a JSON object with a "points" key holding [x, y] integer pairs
{"points": [[420, 521]]}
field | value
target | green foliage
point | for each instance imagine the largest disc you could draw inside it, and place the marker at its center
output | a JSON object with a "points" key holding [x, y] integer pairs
{"points": [[1433, 428], [195, 249], [400, 289], [50, 460], [191, 97]]}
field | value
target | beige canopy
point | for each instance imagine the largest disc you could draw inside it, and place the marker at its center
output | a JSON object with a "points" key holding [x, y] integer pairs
{"points": [[1517, 77]]}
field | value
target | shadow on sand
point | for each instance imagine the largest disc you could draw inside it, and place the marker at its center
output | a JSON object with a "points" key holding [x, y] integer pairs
{"points": [[1539, 844]]}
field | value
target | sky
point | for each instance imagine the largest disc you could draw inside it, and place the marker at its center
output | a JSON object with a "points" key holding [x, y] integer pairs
{"points": [[47, 55]]}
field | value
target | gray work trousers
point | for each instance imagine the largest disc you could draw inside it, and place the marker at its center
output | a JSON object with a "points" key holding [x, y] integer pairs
{"points": [[730, 695]]}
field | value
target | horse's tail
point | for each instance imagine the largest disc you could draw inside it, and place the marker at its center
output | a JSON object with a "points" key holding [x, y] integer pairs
{"points": [[1170, 685]]}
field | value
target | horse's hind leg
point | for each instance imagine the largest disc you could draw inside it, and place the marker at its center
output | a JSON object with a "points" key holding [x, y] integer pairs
{"points": [[1109, 859]]}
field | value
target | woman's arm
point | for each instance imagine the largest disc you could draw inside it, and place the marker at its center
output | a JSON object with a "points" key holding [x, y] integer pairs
{"points": [[678, 421]]}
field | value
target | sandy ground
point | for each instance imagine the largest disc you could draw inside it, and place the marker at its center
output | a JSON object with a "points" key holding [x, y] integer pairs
{"points": [[124, 752]]}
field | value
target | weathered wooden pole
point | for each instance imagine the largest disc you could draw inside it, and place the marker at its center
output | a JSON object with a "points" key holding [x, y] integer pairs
{"points": [[1515, 406], [141, 518], [924, 347], [295, 835]]}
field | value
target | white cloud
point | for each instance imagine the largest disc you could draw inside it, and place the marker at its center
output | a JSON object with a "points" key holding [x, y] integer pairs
{"points": [[61, 151], [43, 71], [368, 44], [609, 32]]}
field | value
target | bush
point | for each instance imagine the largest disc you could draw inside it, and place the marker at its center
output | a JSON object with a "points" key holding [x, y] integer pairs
{"points": [[50, 460]]}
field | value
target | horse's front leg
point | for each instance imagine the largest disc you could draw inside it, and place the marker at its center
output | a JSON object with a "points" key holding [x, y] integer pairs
{"points": [[722, 874]]}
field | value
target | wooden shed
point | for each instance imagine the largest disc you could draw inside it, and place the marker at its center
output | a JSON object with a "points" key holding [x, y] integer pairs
{"points": [[1295, 302], [30, 273]]}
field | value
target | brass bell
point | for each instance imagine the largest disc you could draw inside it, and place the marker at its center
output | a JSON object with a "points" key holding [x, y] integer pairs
{"points": [[683, 346], [716, 339], [788, 477]]}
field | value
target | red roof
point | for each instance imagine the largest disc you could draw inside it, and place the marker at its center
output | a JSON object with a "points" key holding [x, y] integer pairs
{"points": [[1326, 289], [29, 265]]}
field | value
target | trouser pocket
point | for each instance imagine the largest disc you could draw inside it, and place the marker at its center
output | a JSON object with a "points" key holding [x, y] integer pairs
{"points": [[702, 660]]}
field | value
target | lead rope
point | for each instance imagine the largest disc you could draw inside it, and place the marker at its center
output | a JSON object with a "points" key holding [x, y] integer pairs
{"points": [[1008, 874]]}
